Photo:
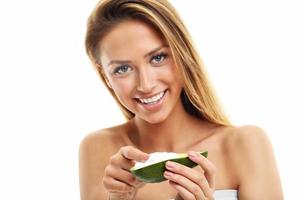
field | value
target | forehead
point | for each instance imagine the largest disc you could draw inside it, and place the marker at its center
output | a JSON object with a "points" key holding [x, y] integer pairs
{"points": [[129, 40]]}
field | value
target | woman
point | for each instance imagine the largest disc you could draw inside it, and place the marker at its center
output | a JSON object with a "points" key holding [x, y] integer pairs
{"points": [[146, 58]]}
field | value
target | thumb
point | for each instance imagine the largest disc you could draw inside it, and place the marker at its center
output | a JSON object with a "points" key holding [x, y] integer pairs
{"points": [[132, 153]]}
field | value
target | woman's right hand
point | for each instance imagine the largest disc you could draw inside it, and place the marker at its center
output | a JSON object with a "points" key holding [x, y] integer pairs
{"points": [[118, 180]]}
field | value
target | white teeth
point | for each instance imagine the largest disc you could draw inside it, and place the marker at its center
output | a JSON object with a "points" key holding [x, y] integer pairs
{"points": [[152, 99]]}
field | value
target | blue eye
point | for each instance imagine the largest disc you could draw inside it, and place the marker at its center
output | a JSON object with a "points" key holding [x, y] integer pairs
{"points": [[121, 69], [159, 58]]}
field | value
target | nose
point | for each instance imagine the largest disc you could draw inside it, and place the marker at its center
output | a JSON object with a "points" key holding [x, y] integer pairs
{"points": [[146, 82]]}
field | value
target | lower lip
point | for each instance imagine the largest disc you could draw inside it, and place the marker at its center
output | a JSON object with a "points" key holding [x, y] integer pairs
{"points": [[155, 106]]}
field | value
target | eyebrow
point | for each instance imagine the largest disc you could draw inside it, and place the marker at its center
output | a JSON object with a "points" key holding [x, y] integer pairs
{"points": [[128, 61]]}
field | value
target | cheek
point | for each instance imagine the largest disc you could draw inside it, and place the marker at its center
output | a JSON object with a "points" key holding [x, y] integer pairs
{"points": [[123, 88], [171, 74]]}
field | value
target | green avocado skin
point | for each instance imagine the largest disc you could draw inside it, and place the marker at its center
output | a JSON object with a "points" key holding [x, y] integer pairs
{"points": [[154, 173]]}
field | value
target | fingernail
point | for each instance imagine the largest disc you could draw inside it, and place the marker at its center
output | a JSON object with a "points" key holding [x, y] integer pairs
{"points": [[168, 174], [170, 164], [193, 154], [145, 158]]}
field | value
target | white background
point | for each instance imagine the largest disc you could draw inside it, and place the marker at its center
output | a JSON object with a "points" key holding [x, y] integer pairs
{"points": [[51, 96]]}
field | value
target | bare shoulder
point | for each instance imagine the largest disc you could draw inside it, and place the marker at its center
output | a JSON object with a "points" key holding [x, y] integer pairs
{"points": [[252, 156], [93, 139], [249, 137], [99, 139], [247, 143], [99, 145], [107, 140], [94, 153]]}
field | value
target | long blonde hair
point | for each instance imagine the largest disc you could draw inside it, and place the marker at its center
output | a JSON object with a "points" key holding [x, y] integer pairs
{"points": [[198, 96]]}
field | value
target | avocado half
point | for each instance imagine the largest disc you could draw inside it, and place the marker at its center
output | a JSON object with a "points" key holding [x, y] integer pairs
{"points": [[153, 173]]}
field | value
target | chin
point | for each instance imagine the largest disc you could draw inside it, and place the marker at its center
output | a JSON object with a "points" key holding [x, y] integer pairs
{"points": [[155, 119]]}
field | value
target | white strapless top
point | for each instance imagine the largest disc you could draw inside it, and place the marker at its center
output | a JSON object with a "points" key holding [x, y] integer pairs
{"points": [[226, 195]]}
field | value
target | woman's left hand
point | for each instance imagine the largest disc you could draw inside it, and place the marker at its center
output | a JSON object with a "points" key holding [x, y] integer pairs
{"points": [[190, 183]]}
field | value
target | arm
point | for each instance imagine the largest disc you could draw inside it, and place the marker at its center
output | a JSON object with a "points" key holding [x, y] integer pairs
{"points": [[93, 157], [253, 155], [104, 168]]}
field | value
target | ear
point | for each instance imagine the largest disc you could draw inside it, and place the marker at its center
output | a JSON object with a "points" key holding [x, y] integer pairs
{"points": [[100, 69]]}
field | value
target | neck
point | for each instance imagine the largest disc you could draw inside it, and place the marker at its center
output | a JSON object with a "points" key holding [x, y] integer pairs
{"points": [[175, 134]]}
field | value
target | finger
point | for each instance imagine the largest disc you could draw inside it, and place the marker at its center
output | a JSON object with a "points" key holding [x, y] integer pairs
{"points": [[196, 177], [114, 185], [119, 195], [208, 167], [121, 175], [119, 161], [184, 193], [187, 184], [132, 153]]}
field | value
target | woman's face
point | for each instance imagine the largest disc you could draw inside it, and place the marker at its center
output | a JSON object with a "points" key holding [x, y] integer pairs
{"points": [[138, 66]]}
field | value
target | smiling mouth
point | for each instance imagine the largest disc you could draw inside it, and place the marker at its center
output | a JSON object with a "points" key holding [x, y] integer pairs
{"points": [[151, 100]]}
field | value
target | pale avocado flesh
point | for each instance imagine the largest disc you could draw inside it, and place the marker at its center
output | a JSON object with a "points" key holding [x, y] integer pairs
{"points": [[154, 173]]}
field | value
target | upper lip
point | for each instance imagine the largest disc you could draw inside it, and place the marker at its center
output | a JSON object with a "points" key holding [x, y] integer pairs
{"points": [[149, 96]]}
